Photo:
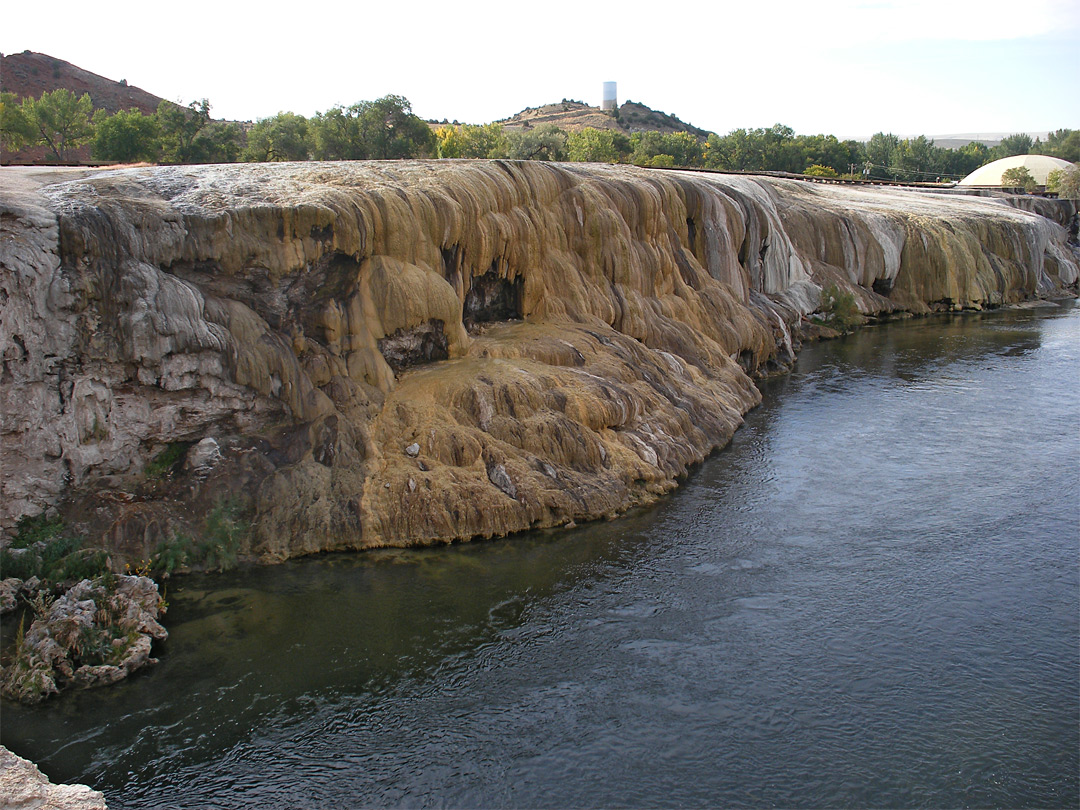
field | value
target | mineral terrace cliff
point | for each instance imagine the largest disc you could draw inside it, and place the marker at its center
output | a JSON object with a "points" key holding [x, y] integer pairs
{"points": [[370, 354]]}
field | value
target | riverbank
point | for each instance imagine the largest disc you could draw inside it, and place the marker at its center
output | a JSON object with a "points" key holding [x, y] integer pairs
{"points": [[353, 356]]}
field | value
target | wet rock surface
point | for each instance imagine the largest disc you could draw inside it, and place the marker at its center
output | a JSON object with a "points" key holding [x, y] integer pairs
{"points": [[585, 332]]}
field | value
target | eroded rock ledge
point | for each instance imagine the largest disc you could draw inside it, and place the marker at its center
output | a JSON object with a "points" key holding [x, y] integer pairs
{"points": [[24, 787], [371, 354]]}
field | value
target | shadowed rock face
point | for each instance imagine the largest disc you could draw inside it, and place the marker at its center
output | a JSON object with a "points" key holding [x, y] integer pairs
{"points": [[414, 352]]}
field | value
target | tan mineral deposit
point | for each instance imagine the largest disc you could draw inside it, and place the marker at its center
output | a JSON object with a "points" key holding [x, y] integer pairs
{"points": [[389, 354]]}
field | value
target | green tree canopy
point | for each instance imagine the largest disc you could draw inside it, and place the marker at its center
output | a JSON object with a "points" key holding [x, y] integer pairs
{"points": [[179, 128], [126, 137], [285, 136], [592, 145], [879, 154], [1018, 144], [59, 120], [1066, 182], [682, 147], [545, 142], [1064, 144], [384, 129], [1018, 177], [15, 130], [189, 135], [471, 141]]}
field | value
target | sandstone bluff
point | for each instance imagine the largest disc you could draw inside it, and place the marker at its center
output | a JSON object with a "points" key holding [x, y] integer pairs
{"points": [[373, 354]]}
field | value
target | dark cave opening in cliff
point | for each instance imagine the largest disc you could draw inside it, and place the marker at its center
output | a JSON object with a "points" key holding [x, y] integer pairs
{"points": [[493, 298], [416, 345]]}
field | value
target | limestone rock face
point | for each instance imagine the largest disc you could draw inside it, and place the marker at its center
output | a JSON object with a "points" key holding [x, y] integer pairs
{"points": [[415, 352], [24, 787]]}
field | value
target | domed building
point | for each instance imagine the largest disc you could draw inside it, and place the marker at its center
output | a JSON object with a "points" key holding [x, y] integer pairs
{"points": [[1038, 165]]}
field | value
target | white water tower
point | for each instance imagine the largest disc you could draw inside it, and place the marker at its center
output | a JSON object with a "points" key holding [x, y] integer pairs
{"points": [[609, 104]]}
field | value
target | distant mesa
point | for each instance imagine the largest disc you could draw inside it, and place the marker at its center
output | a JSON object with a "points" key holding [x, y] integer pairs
{"points": [[1038, 165]]}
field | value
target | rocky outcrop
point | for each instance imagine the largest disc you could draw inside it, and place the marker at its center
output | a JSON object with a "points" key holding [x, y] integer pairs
{"points": [[95, 634], [24, 787], [371, 354]]}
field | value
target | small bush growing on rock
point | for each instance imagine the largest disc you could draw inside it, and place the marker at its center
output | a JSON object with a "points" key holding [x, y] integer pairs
{"points": [[171, 555], [225, 531], [30, 530], [166, 460], [839, 309], [42, 548]]}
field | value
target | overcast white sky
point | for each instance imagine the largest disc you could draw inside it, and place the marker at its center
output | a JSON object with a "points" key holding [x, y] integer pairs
{"points": [[846, 67]]}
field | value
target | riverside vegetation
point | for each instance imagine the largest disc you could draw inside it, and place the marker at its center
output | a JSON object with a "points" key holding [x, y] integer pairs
{"points": [[91, 626]]}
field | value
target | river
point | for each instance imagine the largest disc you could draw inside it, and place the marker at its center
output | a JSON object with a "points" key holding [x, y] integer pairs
{"points": [[871, 598]]}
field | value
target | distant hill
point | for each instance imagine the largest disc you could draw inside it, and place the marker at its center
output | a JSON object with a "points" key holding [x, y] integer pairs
{"points": [[30, 74], [573, 116]]}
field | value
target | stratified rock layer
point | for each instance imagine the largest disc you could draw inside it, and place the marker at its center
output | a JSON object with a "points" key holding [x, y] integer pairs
{"points": [[400, 353]]}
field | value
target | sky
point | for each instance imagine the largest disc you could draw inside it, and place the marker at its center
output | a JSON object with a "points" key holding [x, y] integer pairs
{"points": [[844, 67]]}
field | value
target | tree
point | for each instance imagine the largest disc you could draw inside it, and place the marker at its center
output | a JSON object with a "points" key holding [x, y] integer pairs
{"points": [[127, 137], [15, 130], [384, 129], [390, 131], [817, 170], [471, 141], [449, 142], [545, 142], [1018, 144], [959, 163], [189, 135], [336, 135], [595, 146], [282, 137], [880, 150], [179, 127], [654, 149], [1064, 144], [1066, 182], [220, 142], [1018, 177], [916, 159], [59, 120]]}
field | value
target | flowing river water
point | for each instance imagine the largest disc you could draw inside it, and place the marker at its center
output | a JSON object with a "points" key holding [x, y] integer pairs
{"points": [[871, 598]]}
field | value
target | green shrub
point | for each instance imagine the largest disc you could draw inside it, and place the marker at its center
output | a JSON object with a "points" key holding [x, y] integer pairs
{"points": [[30, 530], [171, 555], [839, 309], [21, 566], [49, 553], [78, 565], [164, 462], [225, 532]]}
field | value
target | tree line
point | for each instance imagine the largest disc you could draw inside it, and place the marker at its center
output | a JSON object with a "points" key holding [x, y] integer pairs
{"points": [[387, 129]]}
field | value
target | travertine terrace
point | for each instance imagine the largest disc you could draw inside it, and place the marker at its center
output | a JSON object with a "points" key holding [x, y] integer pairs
{"points": [[371, 354]]}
